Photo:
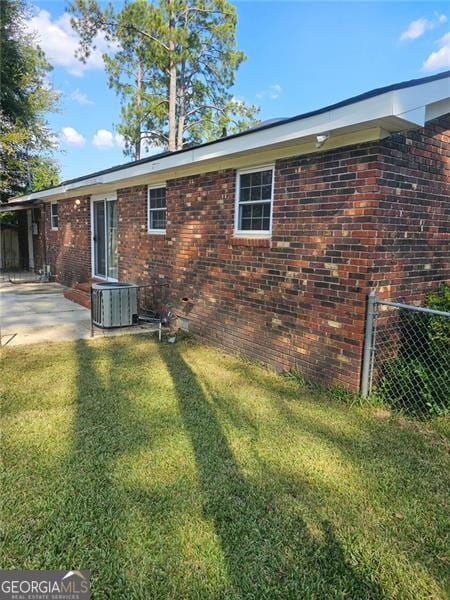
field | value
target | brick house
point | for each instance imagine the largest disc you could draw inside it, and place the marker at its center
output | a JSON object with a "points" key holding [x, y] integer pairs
{"points": [[275, 235]]}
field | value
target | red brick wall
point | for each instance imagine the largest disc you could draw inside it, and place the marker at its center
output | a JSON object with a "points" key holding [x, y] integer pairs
{"points": [[300, 298], [295, 299], [142, 256], [412, 252], [69, 248], [344, 221]]}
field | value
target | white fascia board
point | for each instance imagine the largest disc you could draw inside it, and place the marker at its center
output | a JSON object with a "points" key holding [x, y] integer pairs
{"points": [[62, 190], [393, 111], [438, 109], [409, 99], [410, 119], [373, 109]]}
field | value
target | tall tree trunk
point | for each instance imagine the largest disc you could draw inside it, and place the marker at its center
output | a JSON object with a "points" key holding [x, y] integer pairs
{"points": [[181, 108], [172, 80], [137, 147], [172, 105], [181, 122]]}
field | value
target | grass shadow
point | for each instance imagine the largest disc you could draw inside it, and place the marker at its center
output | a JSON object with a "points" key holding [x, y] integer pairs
{"points": [[87, 526], [170, 472], [268, 549], [105, 426]]}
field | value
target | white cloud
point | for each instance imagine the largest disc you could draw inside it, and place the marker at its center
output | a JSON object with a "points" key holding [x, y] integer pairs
{"points": [[80, 97], [440, 59], [103, 139], [120, 140], [59, 42], [69, 135], [417, 28], [273, 92]]}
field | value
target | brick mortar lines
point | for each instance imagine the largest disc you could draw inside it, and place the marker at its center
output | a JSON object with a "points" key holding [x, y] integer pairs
{"points": [[299, 298]]}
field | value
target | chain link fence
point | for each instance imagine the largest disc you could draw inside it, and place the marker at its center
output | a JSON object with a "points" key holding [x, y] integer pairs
{"points": [[407, 357]]}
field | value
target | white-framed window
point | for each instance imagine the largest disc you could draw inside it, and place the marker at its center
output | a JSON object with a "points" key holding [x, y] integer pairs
{"points": [[157, 209], [54, 215], [254, 201]]}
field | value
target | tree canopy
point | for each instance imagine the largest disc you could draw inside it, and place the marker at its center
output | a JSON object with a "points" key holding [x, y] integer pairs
{"points": [[26, 141], [173, 68]]}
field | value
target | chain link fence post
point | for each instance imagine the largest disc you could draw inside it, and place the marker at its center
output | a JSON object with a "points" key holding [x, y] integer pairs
{"points": [[368, 344]]}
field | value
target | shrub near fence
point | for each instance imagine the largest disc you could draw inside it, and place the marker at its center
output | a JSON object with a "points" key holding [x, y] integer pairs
{"points": [[410, 355]]}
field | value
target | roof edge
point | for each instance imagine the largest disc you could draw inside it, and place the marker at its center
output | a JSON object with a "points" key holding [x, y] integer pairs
{"points": [[343, 103]]}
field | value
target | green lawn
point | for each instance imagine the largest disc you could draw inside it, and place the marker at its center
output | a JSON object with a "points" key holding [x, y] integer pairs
{"points": [[177, 471]]}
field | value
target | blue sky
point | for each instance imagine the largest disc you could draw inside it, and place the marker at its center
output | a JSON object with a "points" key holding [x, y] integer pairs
{"points": [[301, 56]]}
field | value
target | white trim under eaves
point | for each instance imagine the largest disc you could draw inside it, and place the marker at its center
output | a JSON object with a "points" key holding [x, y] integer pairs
{"points": [[391, 111]]}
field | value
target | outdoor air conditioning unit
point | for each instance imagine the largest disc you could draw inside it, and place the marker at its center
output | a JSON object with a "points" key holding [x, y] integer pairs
{"points": [[114, 304]]}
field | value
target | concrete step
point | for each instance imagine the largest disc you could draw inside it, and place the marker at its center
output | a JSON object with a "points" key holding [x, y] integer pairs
{"points": [[79, 296]]}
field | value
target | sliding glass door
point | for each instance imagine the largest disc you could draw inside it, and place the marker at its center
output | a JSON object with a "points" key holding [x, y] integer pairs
{"points": [[105, 263]]}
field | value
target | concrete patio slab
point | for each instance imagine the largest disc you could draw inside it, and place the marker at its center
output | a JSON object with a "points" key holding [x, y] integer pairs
{"points": [[37, 313]]}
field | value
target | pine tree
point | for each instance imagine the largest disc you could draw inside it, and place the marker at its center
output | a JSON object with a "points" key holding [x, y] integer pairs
{"points": [[175, 65]]}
